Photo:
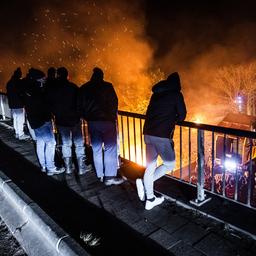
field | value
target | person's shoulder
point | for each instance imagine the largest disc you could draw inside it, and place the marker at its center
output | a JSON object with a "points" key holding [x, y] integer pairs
{"points": [[85, 86], [108, 84], [9, 83], [71, 84]]}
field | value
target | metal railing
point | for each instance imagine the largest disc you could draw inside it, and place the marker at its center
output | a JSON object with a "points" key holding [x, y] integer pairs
{"points": [[219, 160], [5, 112], [216, 159]]}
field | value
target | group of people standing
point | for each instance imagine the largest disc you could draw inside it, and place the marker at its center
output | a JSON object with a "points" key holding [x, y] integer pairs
{"points": [[53, 99]]}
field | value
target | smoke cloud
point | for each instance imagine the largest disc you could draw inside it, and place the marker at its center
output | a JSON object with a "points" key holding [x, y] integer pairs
{"points": [[81, 35], [136, 43]]}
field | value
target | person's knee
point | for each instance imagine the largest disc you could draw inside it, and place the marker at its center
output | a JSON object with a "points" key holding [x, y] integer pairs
{"points": [[51, 143], [169, 164], [67, 144]]}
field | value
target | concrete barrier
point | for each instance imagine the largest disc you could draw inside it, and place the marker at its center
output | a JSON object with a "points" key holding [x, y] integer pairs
{"points": [[36, 232]]}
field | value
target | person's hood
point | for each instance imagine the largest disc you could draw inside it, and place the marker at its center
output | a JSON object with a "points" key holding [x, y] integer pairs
{"points": [[35, 74], [172, 83]]}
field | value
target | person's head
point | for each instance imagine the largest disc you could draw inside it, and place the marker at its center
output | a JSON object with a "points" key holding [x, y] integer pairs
{"points": [[62, 73], [51, 73], [17, 73], [35, 74], [174, 80], [97, 74]]}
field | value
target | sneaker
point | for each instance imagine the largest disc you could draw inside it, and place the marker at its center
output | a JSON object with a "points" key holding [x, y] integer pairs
{"points": [[113, 181], [43, 169], [140, 189], [24, 137], [150, 203], [56, 171]]}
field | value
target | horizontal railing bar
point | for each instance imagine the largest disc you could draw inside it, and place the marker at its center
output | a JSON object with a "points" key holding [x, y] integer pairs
{"points": [[211, 192], [207, 127]]}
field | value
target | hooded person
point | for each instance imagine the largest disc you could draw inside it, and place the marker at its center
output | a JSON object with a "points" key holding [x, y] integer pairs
{"points": [[16, 105], [62, 98], [51, 78], [165, 109], [39, 118], [98, 104]]}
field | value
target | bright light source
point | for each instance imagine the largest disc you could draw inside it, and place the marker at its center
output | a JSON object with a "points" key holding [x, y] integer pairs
{"points": [[198, 119], [230, 165]]}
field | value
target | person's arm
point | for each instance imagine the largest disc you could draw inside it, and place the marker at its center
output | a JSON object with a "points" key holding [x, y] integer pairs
{"points": [[181, 109]]}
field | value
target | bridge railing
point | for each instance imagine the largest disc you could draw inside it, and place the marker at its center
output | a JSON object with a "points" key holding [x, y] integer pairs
{"points": [[219, 160], [5, 112]]}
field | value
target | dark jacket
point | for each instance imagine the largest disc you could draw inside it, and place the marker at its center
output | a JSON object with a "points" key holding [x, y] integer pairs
{"points": [[13, 89], [35, 103], [98, 101], [62, 101], [166, 107]]}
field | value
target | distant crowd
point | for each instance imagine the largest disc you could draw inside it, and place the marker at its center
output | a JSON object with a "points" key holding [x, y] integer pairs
{"points": [[48, 102]]}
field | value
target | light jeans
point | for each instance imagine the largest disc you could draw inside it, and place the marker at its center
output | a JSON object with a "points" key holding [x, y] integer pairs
{"points": [[18, 115], [157, 146], [104, 145], [31, 131], [45, 146], [69, 134]]}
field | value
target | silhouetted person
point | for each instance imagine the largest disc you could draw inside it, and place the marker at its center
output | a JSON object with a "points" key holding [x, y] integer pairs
{"points": [[16, 105], [39, 118], [98, 104], [165, 108], [51, 78], [62, 99]]}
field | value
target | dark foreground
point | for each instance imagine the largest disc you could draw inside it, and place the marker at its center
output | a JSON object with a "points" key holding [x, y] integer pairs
{"points": [[115, 214], [8, 244]]}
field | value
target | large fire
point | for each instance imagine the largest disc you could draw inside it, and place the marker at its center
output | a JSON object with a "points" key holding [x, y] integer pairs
{"points": [[113, 35]]}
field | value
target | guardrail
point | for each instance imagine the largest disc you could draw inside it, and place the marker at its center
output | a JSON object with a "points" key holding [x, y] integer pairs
{"points": [[5, 112], [216, 159]]}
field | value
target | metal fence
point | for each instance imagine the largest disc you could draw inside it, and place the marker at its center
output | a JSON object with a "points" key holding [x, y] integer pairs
{"points": [[5, 112], [216, 159]]}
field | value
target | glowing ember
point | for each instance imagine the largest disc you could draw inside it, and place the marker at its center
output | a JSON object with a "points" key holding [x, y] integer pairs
{"points": [[199, 119]]}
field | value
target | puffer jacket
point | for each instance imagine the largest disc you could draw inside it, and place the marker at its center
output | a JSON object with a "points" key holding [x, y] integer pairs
{"points": [[98, 101], [166, 107]]}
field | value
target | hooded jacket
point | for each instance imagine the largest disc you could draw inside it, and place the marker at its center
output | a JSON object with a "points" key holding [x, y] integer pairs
{"points": [[166, 107], [98, 101], [34, 99], [13, 89], [62, 100]]}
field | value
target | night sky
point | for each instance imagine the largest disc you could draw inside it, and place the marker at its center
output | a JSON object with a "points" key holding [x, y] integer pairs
{"points": [[135, 42]]}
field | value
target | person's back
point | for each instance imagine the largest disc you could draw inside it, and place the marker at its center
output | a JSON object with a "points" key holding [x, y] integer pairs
{"points": [[98, 105], [51, 79], [34, 99], [62, 100], [39, 118], [13, 88], [166, 107], [98, 101]]}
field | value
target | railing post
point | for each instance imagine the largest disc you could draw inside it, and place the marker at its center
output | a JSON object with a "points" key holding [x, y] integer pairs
{"points": [[2, 108], [201, 197]]}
